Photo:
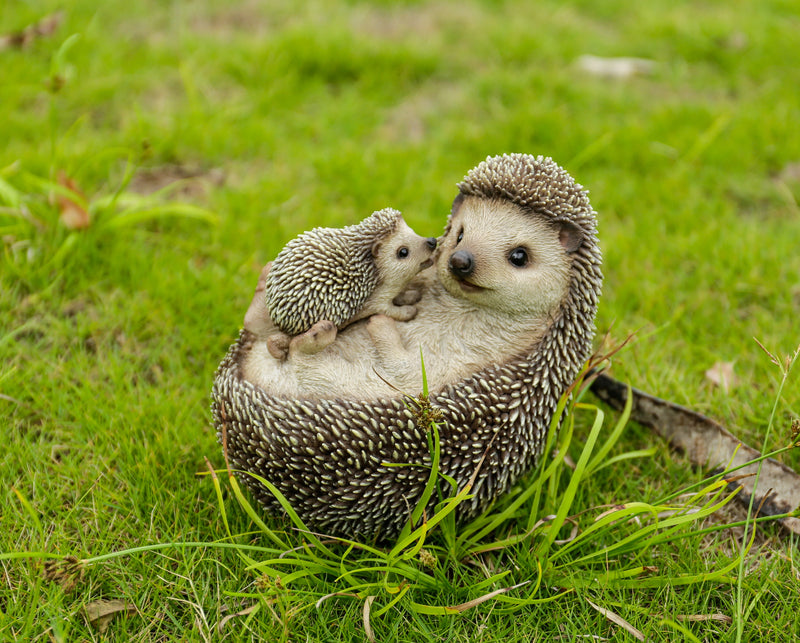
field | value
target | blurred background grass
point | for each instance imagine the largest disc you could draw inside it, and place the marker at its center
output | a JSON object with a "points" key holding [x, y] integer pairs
{"points": [[279, 116]]}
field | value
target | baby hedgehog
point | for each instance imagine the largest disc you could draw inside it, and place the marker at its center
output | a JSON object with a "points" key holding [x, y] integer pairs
{"points": [[346, 274]]}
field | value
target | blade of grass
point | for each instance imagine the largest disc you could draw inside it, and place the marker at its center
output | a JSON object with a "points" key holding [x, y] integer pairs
{"points": [[167, 210], [601, 455], [435, 451], [565, 502], [287, 507], [31, 513], [740, 619], [248, 509]]}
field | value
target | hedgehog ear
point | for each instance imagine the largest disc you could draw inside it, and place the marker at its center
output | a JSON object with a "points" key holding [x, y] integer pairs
{"points": [[376, 248], [570, 236]]}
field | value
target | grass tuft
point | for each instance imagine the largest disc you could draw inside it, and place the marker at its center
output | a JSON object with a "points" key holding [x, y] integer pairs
{"points": [[606, 548]]}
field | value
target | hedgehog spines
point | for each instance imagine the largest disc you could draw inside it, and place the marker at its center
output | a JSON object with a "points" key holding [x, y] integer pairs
{"points": [[326, 273]]}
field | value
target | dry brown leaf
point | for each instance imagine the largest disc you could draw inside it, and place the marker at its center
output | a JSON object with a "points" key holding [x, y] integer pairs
{"points": [[100, 613], [618, 620], [73, 215], [723, 618], [482, 599], [572, 534], [24, 37], [243, 612], [367, 627], [332, 594], [721, 374]]}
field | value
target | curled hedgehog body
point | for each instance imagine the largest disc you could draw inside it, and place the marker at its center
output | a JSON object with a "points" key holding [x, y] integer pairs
{"points": [[345, 274], [329, 455]]}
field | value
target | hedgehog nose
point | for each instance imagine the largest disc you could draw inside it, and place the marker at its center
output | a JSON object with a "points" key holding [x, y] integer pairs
{"points": [[461, 264], [431, 242]]}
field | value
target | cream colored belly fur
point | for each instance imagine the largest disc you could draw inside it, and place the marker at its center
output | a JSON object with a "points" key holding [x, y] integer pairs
{"points": [[456, 338]]}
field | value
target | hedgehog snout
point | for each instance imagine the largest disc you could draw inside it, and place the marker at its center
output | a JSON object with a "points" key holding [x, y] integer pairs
{"points": [[461, 263], [431, 243]]}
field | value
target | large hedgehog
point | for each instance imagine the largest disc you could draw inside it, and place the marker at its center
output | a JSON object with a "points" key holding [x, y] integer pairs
{"points": [[345, 274], [505, 326]]}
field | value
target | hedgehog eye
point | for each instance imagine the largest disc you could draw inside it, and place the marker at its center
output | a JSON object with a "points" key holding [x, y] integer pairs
{"points": [[402, 253], [460, 236], [518, 257]]}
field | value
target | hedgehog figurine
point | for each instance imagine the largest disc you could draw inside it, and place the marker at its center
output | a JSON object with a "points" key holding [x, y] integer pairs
{"points": [[505, 325], [344, 274]]}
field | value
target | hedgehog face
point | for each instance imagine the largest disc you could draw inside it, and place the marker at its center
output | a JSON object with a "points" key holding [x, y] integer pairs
{"points": [[401, 255], [497, 255]]}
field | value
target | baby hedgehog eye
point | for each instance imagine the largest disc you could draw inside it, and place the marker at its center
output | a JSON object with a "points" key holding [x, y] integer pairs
{"points": [[518, 257], [402, 253], [460, 236]]}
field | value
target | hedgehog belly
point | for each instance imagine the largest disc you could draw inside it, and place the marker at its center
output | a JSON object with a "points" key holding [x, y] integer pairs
{"points": [[328, 457]]}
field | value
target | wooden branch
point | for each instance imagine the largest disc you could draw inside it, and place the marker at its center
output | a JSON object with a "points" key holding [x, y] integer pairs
{"points": [[708, 444]]}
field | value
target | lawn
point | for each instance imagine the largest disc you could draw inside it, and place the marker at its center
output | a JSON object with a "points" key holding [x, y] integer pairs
{"points": [[202, 136]]}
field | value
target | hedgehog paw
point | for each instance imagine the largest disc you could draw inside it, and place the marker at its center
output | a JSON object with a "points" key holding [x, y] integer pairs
{"points": [[402, 313], [278, 345], [315, 339], [408, 296]]}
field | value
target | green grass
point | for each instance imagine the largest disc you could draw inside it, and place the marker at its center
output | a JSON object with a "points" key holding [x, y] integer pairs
{"points": [[301, 114]]}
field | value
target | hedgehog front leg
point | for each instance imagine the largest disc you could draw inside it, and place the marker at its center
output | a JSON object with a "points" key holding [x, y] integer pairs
{"points": [[387, 341], [401, 313], [319, 336], [400, 366], [402, 306], [385, 336]]}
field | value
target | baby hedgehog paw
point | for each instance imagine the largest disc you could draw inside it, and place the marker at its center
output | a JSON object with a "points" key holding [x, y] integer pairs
{"points": [[402, 313], [408, 296], [278, 345], [319, 336]]}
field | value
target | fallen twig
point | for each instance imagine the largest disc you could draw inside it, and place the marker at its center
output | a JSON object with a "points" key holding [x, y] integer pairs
{"points": [[708, 444]]}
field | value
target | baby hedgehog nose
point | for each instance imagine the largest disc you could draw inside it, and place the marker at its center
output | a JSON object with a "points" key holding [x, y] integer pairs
{"points": [[461, 263], [431, 242]]}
